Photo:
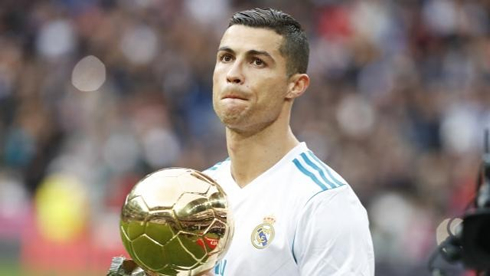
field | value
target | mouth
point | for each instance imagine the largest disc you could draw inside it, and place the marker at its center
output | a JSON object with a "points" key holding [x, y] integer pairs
{"points": [[234, 97], [234, 93]]}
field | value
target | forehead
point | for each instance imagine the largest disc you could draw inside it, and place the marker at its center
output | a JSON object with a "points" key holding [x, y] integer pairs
{"points": [[244, 38]]}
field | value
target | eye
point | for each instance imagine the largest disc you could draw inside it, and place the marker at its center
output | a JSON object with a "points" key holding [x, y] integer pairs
{"points": [[258, 62], [225, 57]]}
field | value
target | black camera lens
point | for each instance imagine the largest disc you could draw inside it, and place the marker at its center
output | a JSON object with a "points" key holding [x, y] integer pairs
{"points": [[483, 238]]}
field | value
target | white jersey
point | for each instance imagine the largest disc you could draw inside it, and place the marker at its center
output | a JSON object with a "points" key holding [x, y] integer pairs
{"points": [[297, 218]]}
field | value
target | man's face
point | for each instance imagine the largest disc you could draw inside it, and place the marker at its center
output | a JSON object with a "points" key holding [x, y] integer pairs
{"points": [[250, 80]]}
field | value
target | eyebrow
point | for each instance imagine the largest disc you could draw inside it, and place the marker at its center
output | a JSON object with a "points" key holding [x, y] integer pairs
{"points": [[249, 52]]}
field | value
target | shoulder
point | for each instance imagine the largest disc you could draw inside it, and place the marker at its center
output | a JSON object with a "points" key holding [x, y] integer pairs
{"points": [[330, 208], [332, 235], [343, 207], [313, 178]]}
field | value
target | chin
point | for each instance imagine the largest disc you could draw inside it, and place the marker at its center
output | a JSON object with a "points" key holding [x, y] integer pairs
{"points": [[231, 116], [231, 122]]}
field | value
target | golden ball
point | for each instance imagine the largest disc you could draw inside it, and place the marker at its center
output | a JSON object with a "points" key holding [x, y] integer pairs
{"points": [[176, 221]]}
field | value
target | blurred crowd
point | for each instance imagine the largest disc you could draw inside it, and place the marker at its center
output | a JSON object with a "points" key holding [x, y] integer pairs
{"points": [[95, 94]]}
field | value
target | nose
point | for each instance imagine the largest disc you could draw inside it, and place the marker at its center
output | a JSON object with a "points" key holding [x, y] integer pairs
{"points": [[235, 74]]}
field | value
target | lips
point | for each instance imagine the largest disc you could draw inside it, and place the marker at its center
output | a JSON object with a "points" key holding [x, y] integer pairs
{"points": [[234, 95]]}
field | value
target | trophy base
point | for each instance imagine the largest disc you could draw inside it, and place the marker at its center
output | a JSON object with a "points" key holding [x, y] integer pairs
{"points": [[122, 267]]}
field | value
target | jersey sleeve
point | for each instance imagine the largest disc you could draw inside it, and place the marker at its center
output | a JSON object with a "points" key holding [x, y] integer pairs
{"points": [[332, 236]]}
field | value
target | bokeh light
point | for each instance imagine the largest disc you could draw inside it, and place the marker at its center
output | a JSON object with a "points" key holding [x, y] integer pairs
{"points": [[89, 74]]}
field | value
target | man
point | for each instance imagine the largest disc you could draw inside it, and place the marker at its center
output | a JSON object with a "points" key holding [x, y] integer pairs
{"points": [[293, 214]]}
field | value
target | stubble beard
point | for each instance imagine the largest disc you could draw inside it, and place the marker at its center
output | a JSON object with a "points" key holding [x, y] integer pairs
{"points": [[244, 124], [233, 120], [245, 121]]}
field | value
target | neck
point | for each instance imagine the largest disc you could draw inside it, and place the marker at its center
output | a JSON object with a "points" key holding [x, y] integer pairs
{"points": [[253, 154]]}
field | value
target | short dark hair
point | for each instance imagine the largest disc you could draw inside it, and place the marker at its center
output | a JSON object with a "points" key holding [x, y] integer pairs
{"points": [[295, 47]]}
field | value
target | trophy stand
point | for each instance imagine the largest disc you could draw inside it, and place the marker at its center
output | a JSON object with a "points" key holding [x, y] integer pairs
{"points": [[122, 267]]}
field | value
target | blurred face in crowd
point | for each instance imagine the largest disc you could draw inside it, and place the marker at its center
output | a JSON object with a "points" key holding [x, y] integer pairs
{"points": [[250, 82]]}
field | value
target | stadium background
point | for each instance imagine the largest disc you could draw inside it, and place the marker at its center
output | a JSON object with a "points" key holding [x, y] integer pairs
{"points": [[398, 103]]}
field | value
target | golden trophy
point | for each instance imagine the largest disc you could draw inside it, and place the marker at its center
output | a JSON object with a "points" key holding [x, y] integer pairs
{"points": [[175, 221]]}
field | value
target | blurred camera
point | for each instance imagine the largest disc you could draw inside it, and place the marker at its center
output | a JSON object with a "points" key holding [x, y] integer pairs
{"points": [[470, 242], [475, 238]]}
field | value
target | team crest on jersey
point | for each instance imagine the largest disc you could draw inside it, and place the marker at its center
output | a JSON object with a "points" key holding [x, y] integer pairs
{"points": [[263, 234]]}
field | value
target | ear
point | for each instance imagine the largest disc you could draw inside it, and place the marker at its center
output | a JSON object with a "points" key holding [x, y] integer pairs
{"points": [[297, 85]]}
